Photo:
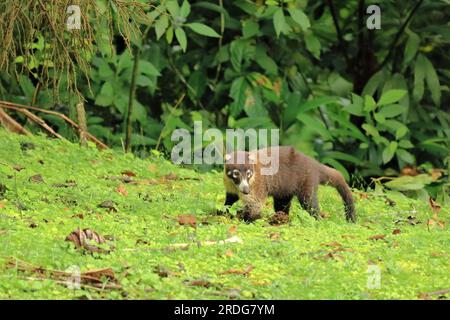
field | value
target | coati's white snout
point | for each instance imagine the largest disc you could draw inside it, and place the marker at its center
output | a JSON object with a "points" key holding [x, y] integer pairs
{"points": [[244, 187]]}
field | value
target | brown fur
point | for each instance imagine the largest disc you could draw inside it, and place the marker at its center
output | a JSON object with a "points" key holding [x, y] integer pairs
{"points": [[298, 175]]}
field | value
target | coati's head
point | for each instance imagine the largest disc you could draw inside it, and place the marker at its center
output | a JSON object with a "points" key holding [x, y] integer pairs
{"points": [[240, 170]]}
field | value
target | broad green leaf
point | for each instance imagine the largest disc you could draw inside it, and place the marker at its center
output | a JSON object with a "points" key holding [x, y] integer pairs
{"points": [[185, 9], [300, 17], [312, 44], [369, 103], [203, 29], [392, 110], [173, 7], [405, 156], [389, 151], [391, 96], [400, 132], [265, 62], [250, 28], [412, 45], [237, 92], [317, 102], [161, 25], [146, 67], [371, 130], [315, 125], [405, 144], [143, 81], [432, 80], [419, 78], [181, 38], [407, 183], [279, 21]]}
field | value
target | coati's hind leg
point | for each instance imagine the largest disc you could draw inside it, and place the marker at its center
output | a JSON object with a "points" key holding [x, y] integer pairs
{"points": [[282, 204], [308, 200]]}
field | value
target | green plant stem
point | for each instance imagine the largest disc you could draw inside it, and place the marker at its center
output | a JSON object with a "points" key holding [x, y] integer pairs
{"points": [[131, 99]]}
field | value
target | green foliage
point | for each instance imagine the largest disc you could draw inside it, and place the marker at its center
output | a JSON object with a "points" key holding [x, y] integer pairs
{"points": [[276, 64], [305, 259]]}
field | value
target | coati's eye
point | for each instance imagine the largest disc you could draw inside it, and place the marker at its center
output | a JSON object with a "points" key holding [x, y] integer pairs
{"points": [[235, 173], [249, 173]]}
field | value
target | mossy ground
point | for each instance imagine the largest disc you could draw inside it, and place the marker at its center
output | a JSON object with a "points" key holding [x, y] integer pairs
{"points": [[305, 259]]}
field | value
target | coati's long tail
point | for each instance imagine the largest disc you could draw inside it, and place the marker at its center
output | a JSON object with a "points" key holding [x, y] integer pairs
{"points": [[334, 178]]}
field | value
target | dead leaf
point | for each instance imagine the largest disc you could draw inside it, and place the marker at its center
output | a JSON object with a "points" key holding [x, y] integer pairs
{"points": [[409, 171], [199, 283], [18, 167], [332, 244], [348, 236], [244, 272], [441, 293], [122, 190], [324, 215], [37, 178], [67, 184], [228, 253], [332, 255], [164, 272], [79, 216], [434, 205], [128, 173], [274, 235], [363, 195], [232, 230], [187, 219], [152, 167], [396, 231], [436, 174], [377, 237], [2, 205], [390, 202], [108, 204], [84, 239]]}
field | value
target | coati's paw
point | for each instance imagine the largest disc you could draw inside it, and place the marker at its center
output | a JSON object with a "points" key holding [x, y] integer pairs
{"points": [[248, 216]]}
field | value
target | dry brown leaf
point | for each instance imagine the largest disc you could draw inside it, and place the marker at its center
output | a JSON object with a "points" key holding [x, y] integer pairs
{"points": [[274, 235], [37, 178], [377, 237], [187, 219], [332, 244], [228, 253], [244, 272], [232, 230], [396, 231], [436, 174], [122, 190], [199, 283], [128, 173], [2, 205], [84, 239], [434, 205], [409, 171], [348, 236]]}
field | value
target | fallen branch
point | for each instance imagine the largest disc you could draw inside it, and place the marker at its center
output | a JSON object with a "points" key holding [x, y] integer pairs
{"points": [[19, 108], [12, 125]]}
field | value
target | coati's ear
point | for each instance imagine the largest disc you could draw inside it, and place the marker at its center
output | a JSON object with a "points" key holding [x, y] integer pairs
{"points": [[227, 157]]}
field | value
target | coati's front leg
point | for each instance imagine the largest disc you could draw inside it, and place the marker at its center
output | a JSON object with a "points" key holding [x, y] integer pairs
{"points": [[252, 207], [230, 199], [282, 204]]}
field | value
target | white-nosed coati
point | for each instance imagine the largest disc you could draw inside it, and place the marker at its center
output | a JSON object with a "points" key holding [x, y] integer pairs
{"points": [[297, 175]]}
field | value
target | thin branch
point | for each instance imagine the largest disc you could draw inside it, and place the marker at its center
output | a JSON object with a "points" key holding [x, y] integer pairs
{"points": [[18, 107], [342, 45], [128, 127], [398, 35]]}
